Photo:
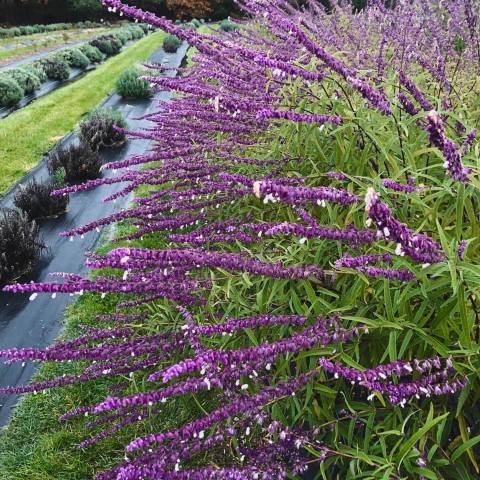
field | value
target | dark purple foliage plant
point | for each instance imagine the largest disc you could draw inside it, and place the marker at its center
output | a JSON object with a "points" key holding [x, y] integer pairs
{"points": [[20, 245], [36, 201], [78, 160]]}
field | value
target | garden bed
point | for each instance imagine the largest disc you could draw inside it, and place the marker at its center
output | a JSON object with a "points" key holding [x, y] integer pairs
{"points": [[18, 314], [48, 120], [75, 67]]}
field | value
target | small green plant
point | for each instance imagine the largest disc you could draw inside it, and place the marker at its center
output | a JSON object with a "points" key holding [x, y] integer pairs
{"points": [[130, 85], [91, 52], [145, 27], [123, 35], [107, 44], [10, 91], [195, 23], [171, 43], [135, 31], [228, 26], [37, 70], [76, 58], [56, 68], [98, 129]]}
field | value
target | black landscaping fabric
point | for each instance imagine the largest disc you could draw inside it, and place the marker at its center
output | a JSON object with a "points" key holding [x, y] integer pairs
{"points": [[25, 323]]}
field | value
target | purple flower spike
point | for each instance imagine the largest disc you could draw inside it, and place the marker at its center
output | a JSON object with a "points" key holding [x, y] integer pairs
{"points": [[453, 163], [420, 248]]}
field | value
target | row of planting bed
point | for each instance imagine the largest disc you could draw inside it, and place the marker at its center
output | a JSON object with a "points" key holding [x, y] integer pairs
{"points": [[18, 82], [23, 30], [77, 162]]}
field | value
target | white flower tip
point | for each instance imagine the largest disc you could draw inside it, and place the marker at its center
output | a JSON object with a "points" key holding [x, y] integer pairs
{"points": [[370, 197], [256, 188]]}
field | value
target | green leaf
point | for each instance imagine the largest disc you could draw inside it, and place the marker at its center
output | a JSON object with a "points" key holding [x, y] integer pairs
{"points": [[467, 445], [407, 446]]}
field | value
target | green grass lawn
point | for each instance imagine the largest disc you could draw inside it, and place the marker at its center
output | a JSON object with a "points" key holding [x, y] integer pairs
{"points": [[25, 136]]}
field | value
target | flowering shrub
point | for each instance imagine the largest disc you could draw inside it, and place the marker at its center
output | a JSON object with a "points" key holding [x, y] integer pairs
{"points": [[76, 58], [91, 52], [107, 44], [37, 70], [27, 80], [102, 128], [56, 68], [35, 200], [20, 245], [302, 262], [78, 161]]}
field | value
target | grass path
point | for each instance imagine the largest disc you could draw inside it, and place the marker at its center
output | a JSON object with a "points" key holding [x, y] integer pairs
{"points": [[25, 136]]}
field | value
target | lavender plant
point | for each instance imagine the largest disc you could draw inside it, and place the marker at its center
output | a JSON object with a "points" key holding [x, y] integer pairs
{"points": [[36, 201], [302, 257], [79, 162], [20, 245]]}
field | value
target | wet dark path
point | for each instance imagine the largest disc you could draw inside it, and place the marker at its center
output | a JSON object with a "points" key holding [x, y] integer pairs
{"points": [[25, 323]]}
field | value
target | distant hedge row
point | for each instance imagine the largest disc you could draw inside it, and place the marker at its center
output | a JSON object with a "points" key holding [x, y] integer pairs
{"points": [[17, 82], [53, 27]]}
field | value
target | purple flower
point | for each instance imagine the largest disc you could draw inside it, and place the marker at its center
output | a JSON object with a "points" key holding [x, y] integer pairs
{"points": [[453, 163], [419, 247]]}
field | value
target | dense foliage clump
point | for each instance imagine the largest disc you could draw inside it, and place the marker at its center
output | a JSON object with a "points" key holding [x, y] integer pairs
{"points": [[91, 52], [76, 58], [107, 44], [56, 68], [228, 26], [27, 80], [37, 70], [78, 161], [20, 245], [171, 43], [102, 128], [130, 85], [10, 91], [52, 27], [36, 201]]}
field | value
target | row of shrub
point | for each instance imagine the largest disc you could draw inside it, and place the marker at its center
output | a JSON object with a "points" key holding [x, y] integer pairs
{"points": [[15, 83], [53, 27], [20, 242], [78, 162]]}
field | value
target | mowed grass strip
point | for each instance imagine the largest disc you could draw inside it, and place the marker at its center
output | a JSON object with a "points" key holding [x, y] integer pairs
{"points": [[36, 446], [27, 135]]}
